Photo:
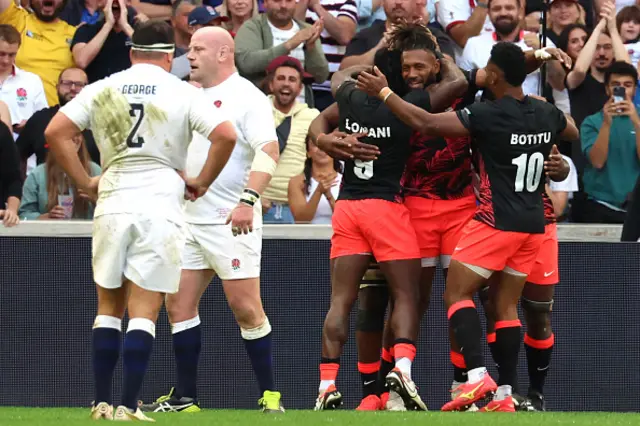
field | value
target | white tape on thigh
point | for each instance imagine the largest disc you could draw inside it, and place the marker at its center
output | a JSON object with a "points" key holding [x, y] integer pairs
{"points": [[512, 271], [428, 262], [483, 272]]}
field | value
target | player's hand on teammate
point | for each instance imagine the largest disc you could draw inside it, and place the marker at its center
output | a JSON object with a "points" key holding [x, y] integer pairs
{"points": [[241, 219], [372, 83], [555, 165], [9, 218], [560, 56], [342, 146]]}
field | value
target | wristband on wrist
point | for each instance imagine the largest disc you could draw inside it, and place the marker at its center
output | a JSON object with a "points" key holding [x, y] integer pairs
{"points": [[542, 54], [249, 197], [384, 94]]}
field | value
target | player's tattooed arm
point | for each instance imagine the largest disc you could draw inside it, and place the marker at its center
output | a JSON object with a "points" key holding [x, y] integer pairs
{"points": [[452, 85], [445, 124]]}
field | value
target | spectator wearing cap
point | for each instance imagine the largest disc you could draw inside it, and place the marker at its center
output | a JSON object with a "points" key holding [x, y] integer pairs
{"points": [[102, 49], [21, 90], [278, 33], [238, 12], [31, 140], [45, 40], [563, 13], [205, 16], [339, 18], [367, 42], [292, 119]]}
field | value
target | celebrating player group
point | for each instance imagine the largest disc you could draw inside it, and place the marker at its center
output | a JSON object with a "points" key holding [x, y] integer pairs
{"points": [[410, 199], [415, 167]]}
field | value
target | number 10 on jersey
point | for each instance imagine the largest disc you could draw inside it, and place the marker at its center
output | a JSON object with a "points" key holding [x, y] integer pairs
{"points": [[529, 171], [363, 169]]}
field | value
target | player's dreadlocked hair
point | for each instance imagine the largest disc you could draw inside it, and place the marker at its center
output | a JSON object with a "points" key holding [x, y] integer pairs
{"points": [[411, 36], [389, 62]]}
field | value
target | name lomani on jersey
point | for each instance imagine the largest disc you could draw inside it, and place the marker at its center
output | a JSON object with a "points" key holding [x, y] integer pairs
{"points": [[372, 132]]}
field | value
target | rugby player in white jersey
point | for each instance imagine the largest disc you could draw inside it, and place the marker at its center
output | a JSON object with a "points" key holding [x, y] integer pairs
{"points": [[225, 226], [143, 119]]}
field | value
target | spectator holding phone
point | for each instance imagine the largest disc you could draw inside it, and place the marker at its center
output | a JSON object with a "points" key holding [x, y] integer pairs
{"points": [[48, 193], [611, 143]]}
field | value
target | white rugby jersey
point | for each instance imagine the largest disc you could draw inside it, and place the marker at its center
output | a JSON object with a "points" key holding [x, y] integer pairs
{"points": [[250, 112], [477, 52], [142, 120]]}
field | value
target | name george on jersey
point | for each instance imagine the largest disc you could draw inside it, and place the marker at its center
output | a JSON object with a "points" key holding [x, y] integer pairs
{"points": [[138, 89], [531, 139], [372, 132]]}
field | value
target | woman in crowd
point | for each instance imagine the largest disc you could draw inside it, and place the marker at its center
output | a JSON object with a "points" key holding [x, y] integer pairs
{"points": [[10, 174], [563, 13], [238, 12], [312, 194], [48, 194], [573, 39]]}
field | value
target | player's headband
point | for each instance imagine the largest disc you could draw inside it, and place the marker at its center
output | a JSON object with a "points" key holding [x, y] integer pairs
{"points": [[157, 47]]}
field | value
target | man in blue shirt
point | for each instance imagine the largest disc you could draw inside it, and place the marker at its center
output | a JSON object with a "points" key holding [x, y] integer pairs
{"points": [[611, 143]]}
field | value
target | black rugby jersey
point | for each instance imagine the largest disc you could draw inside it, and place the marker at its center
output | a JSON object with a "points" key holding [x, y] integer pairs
{"points": [[513, 139], [379, 179]]}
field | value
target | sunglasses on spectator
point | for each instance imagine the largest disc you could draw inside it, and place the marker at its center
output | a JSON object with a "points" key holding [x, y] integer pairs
{"points": [[69, 83]]}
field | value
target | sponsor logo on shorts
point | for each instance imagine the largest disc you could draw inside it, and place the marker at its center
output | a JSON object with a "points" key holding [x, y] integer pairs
{"points": [[235, 264], [548, 274]]}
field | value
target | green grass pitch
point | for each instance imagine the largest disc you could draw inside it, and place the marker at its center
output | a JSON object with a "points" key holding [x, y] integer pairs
{"points": [[10, 416]]}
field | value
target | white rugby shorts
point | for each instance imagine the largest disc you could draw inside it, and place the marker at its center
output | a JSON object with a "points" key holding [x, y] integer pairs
{"points": [[142, 249], [215, 247]]}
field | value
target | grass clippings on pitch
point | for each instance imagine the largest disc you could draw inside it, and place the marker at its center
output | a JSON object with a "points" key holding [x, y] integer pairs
{"points": [[10, 416]]}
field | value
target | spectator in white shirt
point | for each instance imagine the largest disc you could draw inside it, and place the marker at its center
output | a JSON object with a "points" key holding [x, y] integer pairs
{"points": [[505, 17], [562, 192], [21, 90]]}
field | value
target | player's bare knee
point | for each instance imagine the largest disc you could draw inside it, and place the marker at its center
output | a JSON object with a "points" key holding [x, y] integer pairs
{"points": [[248, 315], [180, 308], [112, 303]]}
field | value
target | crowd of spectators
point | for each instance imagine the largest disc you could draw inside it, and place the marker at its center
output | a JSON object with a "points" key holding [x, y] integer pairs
{"points": [[51, 49]]}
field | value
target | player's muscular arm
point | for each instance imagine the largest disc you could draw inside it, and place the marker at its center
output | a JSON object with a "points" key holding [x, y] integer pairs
{"points": [[559, 199], [223, 140], [471, 27], [452, 86], [446, 124], [258, 178]]}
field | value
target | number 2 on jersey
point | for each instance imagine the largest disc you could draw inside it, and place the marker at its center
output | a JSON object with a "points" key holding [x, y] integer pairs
{"points": [[363, 169], [137, 112], [529, 171]]}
